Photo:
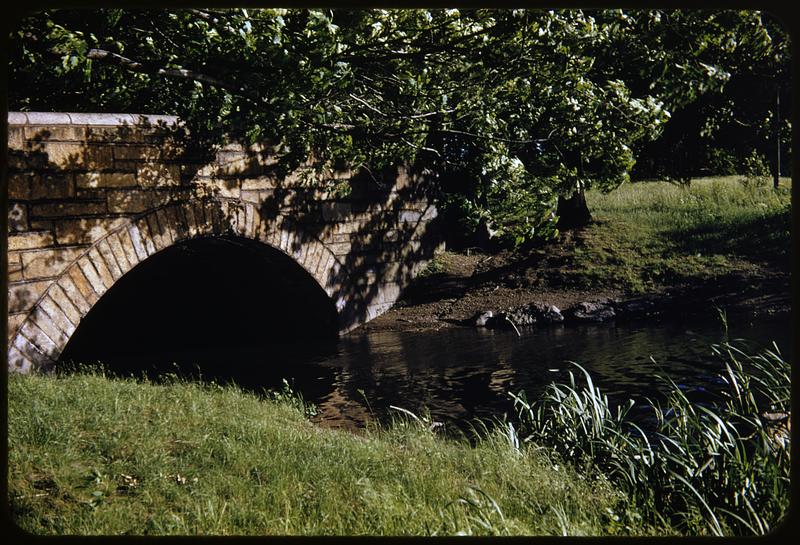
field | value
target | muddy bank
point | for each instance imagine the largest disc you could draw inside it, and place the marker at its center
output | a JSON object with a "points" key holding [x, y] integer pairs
{"points": [[467, 284]]}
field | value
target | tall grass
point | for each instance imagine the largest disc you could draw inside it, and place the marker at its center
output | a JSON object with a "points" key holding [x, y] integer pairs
{"points": [[90, 454], [721, 469]]}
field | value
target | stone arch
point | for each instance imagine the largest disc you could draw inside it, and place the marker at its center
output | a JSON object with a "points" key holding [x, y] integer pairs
{"points": [[55, 316]]}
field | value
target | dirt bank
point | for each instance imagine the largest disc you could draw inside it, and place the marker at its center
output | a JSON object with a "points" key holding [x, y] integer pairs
{"points": [[463, 284]]}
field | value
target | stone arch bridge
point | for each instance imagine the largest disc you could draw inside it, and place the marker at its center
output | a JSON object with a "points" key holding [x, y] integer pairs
{"points": [[92, 196]]}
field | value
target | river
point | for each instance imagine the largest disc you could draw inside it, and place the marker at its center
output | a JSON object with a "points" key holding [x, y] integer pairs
{"points": [[460, 373]]}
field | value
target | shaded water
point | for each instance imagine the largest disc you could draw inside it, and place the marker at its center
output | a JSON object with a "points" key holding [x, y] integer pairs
{"points": [[459, 374]]}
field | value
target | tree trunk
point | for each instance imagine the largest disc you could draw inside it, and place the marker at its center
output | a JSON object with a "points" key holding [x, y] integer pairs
{"points": [[573, 212]]}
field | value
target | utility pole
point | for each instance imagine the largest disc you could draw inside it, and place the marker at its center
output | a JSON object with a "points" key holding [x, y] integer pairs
{"points": [[777, 136]]}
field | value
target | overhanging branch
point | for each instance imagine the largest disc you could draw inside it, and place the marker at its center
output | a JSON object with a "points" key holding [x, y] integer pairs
{"points": [[183, 73]]}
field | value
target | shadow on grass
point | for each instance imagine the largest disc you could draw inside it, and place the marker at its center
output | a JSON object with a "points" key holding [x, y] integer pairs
{"points": [[763, 238]]}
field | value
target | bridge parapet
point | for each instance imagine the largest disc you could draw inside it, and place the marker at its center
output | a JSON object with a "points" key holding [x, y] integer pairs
{"points": [[92, 195]]}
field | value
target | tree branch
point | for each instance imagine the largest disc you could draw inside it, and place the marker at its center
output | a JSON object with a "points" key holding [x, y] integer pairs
{"points": [[134, 66]]}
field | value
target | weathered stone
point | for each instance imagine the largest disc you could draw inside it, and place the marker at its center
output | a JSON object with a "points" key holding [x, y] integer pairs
{"points": [[165, 226], [90, 273], [84, 230], [48, 326], [136, 153], [67, 285], [105, 179], [51, 186], [150, 175], [35, 357], [17, 217], [14, 266], [99, 156], [598, 311], [57, 133], [63, 155], [109, 259], [16, 138], [65, 305], [19, 186], [13, 322], [48, 263], [17, 363], [39, 339], [83, 284], [22, 297], [481, 318], [66, 209], [101, 267], [336, 211], [118, 251], [30, 240]]}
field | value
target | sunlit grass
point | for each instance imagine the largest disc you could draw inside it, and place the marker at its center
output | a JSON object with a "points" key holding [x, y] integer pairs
{"points": [[648, 234], [95, 455]]}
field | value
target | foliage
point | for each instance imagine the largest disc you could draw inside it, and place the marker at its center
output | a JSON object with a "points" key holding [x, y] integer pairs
{"points": [[510, 108], [718, 469], [755, 170], [92, 454]]}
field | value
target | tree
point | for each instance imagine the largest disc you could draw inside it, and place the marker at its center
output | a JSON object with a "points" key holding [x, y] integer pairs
{"points": [[512, 109]]}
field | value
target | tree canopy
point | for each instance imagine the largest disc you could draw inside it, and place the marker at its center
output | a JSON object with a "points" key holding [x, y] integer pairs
{"points": [[509, 108]]}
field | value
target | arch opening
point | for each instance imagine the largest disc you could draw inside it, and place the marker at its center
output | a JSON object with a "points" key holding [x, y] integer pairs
{"points": [[228, 308]]}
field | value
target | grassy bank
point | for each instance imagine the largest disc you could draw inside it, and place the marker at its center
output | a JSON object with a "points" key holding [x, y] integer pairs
{"points": [[94, 455], [652, 234]]}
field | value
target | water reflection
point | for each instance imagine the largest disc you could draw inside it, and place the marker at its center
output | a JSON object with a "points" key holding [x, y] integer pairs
{"points": [[459, 374]]}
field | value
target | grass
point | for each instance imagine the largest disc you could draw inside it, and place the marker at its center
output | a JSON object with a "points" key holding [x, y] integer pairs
{"points": [[719, 469], [89, 454], [652, 234]]}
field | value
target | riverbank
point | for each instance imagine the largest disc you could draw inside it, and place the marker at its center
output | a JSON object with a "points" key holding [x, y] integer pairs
{"points": [[685, 250], [95, 455]]}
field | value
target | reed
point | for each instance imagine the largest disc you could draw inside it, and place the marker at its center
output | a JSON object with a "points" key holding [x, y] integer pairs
{"points": [[720, 469]]}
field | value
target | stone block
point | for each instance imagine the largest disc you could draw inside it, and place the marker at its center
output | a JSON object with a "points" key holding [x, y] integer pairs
{"points": [[63, 155], [47, 119], [84, 230], [34, 357], [132, 201], [257, 184], [22, 297], [51, 186], [17, 217], [13, 323], [19, 186], [150, 175], [17, 363], [39, 339], [99, 156], [165, 227], [60, 298], [14, 266], [125, 242], [99, 264], [66, 209], [336, 211], [108, 258], [141, 238], [340, 249], [57, 133], [176, 223], [67, 286], [120, 255], [83, 282], [408, 216], [30, 240], [136, 153], [105, 180], [48, 263], [48, 326], [16, 138]]}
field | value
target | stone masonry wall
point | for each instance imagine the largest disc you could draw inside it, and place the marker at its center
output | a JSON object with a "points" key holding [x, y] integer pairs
{"points": [[92, 195]]}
